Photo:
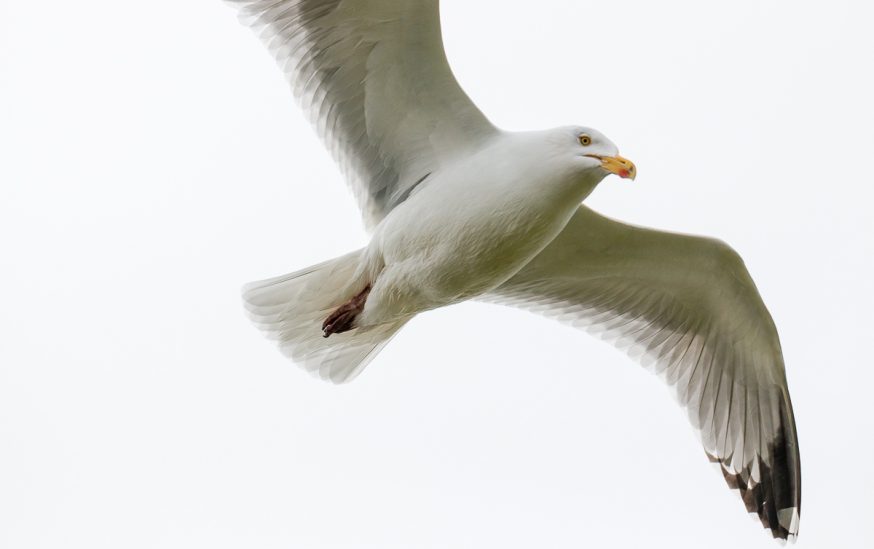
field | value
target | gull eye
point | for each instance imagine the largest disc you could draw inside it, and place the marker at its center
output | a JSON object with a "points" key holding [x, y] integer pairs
{"points": [[585, 140]]}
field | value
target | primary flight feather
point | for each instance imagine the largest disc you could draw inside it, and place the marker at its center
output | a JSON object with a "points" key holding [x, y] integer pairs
{"points": [[460, 209]]}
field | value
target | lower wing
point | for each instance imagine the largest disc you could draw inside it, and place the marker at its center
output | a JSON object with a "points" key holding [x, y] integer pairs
{"points": [[687, 308]]}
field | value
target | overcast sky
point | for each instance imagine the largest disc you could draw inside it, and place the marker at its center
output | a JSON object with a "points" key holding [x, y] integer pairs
{"points": [[152, 160]]}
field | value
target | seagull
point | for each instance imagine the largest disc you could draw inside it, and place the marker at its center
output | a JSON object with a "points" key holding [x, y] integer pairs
{"points": [[459, 209]]}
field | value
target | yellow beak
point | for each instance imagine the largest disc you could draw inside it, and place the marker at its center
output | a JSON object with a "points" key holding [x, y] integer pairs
{"points": [[622, 167]]}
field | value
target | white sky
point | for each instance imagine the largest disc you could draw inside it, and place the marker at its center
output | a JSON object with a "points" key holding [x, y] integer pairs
{"points": [[152, 160]]}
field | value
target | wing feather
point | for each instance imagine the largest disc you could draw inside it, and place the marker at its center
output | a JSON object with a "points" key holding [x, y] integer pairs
{"points": [[373, 78], [686, 308]]}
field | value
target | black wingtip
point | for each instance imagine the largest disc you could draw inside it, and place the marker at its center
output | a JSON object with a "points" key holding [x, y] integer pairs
{"points": [[776, 496], [762, 499]]}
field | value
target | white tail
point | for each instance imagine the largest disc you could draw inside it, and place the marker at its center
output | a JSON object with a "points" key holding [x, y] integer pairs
{"points": [[291, 308]]}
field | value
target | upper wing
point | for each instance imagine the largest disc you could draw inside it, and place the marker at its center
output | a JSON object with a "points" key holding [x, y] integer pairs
{"points": [[688, 308], [373, 78]]}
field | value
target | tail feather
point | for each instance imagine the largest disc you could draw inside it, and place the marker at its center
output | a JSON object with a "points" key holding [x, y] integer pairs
{"points": [[290, 309]]}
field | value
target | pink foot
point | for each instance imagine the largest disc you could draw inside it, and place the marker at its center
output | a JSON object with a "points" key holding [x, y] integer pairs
{"points": [[343, 317]]}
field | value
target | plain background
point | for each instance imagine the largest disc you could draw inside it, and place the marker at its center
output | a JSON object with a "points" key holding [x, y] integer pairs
{"points": [[153, 160]]}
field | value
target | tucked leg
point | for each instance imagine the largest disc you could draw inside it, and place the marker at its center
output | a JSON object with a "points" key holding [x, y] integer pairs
{"points": [[343, 317]]}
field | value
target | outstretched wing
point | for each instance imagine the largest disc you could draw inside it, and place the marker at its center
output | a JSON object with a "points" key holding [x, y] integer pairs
{"points": [[687, 307], [374, 80]]}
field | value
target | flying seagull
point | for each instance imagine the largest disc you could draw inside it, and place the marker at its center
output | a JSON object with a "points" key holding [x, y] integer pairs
{"points": [[460, 209]]}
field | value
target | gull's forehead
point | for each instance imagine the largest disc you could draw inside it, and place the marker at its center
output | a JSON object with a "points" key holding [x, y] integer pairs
{"points": [[598, 138], [591, 132]]}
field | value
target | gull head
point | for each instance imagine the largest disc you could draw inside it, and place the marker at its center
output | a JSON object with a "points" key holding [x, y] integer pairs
{"points": [[589, 153]]}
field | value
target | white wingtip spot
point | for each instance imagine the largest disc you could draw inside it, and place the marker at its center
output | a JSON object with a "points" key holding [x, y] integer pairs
{"points": [[789, 519]]}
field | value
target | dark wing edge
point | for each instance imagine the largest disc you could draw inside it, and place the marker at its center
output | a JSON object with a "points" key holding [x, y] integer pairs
{"points": [[776, 497]]}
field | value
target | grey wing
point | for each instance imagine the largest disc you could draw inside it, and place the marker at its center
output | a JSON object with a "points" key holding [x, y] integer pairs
{"points": [[686, 307], [373, 78]]}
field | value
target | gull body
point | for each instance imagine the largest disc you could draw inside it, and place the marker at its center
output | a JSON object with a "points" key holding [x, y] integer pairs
{"points": [[498, 208]]}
